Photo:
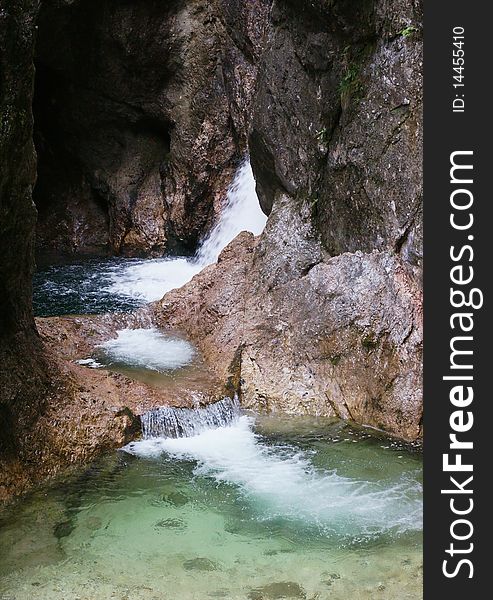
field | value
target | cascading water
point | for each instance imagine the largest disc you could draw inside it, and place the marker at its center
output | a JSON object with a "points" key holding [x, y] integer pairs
{"points": [[122, 284], [241, 212], [280, 478], [150, 280], [168, 422], [130, 284]]}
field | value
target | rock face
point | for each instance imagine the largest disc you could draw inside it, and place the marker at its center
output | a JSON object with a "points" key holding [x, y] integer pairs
{"points": [[142, 114], [341, 337], [23, 372], [337, 121], [323, 314]]}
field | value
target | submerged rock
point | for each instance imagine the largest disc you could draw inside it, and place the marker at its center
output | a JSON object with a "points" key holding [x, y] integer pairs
{"points": [[175, 498], [277, 591], [64, 529], [329, 578], [199, 564], [93, 523], [171, 524]]}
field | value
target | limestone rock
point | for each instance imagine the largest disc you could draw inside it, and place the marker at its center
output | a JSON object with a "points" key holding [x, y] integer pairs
{"points": [[342, 339], [142, 116]]}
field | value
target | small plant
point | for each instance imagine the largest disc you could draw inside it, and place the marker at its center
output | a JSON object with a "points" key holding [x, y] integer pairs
{"points": [[351, 86], [407, 31], [350, 79], [322, 135], [369, 343]]}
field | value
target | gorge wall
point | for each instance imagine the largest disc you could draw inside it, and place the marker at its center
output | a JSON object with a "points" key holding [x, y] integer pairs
{"points": [[23, 368], [141, 118], [142, 112]]}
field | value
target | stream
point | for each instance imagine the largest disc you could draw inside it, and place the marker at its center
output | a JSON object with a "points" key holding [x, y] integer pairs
{"points": [[214, 503]]}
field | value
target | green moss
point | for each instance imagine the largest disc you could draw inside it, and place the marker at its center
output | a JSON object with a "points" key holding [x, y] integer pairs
{"points": [[407, 31], [351, 84], [369, 343], [350, 81]]}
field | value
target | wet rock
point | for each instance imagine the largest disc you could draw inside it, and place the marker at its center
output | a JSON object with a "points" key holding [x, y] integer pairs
{"points": [[63, 529], [287, 336], [329, 578], [171, 524], [175, 498], [199, 564], [93, 523], [337, 122], [277, 591]]}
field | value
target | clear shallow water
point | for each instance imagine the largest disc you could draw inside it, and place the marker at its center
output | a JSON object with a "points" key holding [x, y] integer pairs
{"points": [[96, 286], [291, 508]]}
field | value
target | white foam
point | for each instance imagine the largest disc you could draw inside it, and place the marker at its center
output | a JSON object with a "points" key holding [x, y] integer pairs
{"points": [[148, 349], [149, 280], [241, 212], [285, 482], [89, 362]]}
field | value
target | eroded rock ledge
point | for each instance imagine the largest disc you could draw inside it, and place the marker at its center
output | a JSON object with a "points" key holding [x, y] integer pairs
{"points": [[86, 412], [341, 337]]}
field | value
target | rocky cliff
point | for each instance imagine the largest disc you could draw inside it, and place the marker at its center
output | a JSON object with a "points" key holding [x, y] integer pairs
{"points": [[141, 117], [23, 370]]}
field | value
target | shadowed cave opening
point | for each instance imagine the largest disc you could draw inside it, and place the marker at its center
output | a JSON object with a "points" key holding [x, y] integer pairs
{"points": [[103, 146]]}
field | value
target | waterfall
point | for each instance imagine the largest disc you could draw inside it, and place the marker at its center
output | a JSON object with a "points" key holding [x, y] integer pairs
{"points": [[166, 422], [148, 280], [241, 212]]}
